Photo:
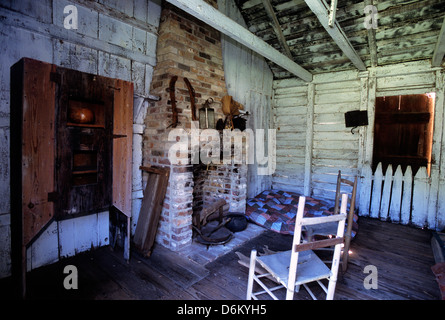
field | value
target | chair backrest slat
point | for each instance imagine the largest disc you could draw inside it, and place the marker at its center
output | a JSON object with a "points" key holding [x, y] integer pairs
{"points": [[324, 219], [318, 244]]}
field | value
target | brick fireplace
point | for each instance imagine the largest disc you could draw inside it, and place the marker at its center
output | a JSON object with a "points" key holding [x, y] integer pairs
{"points": [[190, 49]]}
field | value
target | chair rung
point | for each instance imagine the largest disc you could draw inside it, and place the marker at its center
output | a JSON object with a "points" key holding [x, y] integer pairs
{"points": [[322, 286], [270, 289], [266, 289], [310, 292]]}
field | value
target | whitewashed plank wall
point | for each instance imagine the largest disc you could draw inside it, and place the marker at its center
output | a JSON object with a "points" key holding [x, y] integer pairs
{"points": [[309, 154], [249, 80], [290, 121], [334, 146], [312, 141]]}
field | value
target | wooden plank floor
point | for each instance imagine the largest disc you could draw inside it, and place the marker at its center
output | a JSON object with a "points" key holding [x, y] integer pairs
{"points": [[401, 254]]}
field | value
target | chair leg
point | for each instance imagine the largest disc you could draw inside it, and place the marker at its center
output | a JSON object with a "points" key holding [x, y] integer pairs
{"points": [[334, 272], [251, 274], [345, 256]]}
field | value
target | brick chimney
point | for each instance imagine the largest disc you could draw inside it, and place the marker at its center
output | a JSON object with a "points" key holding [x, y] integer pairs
{"points": [[188, 48]]}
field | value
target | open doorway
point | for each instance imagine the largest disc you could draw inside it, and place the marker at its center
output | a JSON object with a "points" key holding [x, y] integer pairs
{"points": [[403, 132]]}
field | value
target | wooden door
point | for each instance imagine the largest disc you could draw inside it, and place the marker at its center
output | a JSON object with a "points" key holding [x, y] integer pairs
{"points": [[32, 149], [403, 131], [122, 146], [122, 155], [32, 146]]}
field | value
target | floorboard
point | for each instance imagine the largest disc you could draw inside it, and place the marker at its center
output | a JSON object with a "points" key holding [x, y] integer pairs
{"points": [[402, 255]]}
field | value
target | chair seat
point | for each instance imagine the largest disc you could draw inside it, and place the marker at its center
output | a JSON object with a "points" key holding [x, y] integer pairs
{"points": [[310, 267]]}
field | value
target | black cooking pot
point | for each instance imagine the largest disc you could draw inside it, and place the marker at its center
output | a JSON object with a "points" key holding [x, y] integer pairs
{"points": [[238, 222]]}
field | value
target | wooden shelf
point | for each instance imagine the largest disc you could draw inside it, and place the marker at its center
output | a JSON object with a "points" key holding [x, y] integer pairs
{"points": [[70, 124], [80, 172]]}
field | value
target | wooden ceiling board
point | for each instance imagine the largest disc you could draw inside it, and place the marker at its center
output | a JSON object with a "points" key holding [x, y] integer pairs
{"points": [[408, 30]]}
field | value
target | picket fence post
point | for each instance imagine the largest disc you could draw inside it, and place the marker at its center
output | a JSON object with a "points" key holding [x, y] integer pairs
{"points": [[402, 198], [386, 194], [420, 198], [405, 211], [396, 195], [365, 191], [376, 192]]}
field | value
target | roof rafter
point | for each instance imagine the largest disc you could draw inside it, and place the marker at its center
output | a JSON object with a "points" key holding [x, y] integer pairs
{"points": [[277, 28], [372, 43], [439, 50], [224, 24], [321, 10]]}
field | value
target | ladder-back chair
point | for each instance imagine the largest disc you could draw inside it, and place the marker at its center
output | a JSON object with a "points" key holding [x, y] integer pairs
{"points": [[329, 229], [300, 265]]}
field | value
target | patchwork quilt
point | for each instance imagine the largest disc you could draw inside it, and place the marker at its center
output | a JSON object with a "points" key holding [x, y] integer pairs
{"points": [[276, 210]]}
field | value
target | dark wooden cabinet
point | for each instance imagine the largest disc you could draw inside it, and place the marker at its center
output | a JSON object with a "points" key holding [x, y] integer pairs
{"points": [[71, 148], [84, 140]]}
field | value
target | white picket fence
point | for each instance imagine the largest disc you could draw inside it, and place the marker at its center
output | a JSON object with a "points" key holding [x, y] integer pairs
{"points": [[397, 197]]}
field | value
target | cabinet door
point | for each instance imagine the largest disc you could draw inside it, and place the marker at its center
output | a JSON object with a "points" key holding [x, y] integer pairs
{"points": [[122, 146], [32, 146]]}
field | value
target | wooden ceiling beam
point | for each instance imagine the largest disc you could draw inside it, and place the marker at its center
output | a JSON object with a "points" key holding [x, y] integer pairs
{"points": [[372, 43], [277, 28], [321, 10], [439, 50], [214, 18]]}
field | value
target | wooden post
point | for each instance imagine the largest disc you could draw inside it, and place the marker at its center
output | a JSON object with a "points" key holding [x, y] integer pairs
{"points": [[369, 139], [436, 215], [441, 194], [309, 139], [432, 212], [348, 236]]}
